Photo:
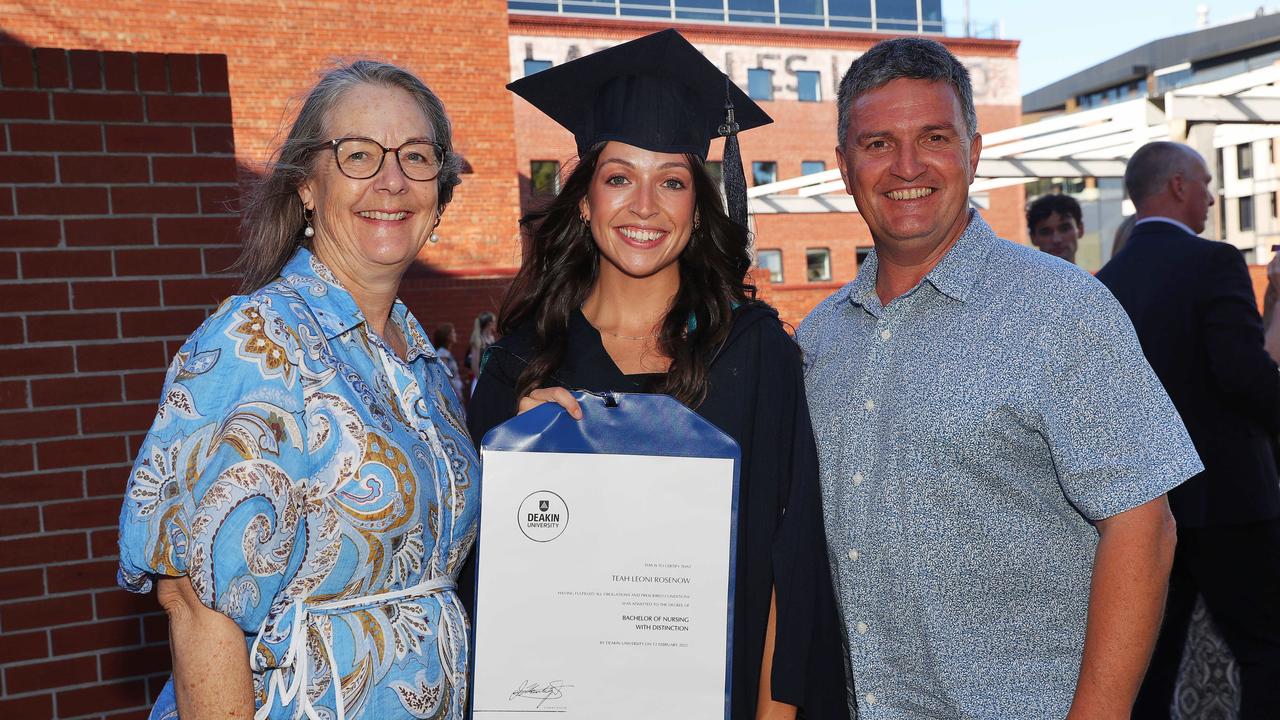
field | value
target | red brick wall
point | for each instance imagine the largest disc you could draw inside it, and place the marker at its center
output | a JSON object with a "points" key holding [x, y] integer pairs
{"points": [[114, 169], [275, 50]]}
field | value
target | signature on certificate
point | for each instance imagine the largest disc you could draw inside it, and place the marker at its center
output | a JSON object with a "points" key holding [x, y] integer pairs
{"points": [[541, 692]]}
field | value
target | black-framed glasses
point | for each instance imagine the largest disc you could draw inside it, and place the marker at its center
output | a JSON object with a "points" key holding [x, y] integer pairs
{"points": [[360, 158]]}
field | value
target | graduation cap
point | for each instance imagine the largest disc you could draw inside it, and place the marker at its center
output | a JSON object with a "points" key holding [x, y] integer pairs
{"points": [[656, 92]]}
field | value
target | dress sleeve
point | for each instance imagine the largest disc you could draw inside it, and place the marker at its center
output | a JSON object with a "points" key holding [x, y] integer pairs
{"points": [[216, 492], [1115, 437], [808, 665]]}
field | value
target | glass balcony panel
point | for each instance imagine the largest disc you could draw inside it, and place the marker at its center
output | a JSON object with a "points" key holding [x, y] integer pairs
{"points": [[646, 8], [850, 13], [711, 10], [589, 7], [800, 12], [751, 11]]}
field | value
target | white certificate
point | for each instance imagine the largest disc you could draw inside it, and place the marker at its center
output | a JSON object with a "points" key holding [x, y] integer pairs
{"points": [[604, 585]]}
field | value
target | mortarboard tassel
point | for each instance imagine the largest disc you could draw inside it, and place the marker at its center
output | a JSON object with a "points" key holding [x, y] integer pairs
{"points": [[735, 179]]}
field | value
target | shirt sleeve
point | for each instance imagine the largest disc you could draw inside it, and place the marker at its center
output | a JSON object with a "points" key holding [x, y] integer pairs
{"points": [[1116, 439], [216, 492]]}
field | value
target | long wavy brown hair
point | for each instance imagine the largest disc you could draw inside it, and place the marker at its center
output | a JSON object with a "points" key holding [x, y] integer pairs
{"points": [[563, 264]]}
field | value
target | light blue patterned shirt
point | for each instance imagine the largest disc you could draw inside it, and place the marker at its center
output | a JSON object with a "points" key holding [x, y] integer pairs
{"points": [[319, 491], [969, 434]]}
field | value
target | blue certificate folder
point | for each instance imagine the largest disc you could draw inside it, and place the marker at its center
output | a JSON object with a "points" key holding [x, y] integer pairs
{"points": [[624, 424]]}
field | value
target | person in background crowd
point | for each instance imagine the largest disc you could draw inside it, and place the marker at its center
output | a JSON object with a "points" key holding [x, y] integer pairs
{"points": [[445, 337], [307, 493], [993, 479], [636, 281], [1192, 303], [1122, 234], [1056, 225], [483, 333]]}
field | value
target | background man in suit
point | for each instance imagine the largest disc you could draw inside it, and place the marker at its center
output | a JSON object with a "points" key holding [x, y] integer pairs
{"points": [[1192, 304]]}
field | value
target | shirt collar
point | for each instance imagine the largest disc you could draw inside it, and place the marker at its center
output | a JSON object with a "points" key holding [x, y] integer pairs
{"points": [[953, 276], [335, 309], [1160, 218]]}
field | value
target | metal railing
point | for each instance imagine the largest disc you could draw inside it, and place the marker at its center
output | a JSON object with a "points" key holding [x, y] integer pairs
{"points": [[723, 12]]}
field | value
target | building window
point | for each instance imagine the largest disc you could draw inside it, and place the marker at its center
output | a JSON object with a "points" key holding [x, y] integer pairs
{"points": [[770, 260], [1245, 208], [535, 66], [764, 172], [817, 264], [1244, 161], [544, 177], [809, 167], [760, 83], [807, 85], [1275, 205]]}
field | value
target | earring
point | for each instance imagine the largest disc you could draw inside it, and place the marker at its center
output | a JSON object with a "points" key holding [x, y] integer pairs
{"points": [[697, 219], [584, 220], [307, 215], [435, 238]]}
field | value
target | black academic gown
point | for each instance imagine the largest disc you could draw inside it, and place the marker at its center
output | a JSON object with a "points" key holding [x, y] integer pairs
{"points": [[756, 396]]}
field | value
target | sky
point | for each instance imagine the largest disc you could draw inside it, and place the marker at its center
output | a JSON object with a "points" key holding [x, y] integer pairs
{"points": [[1081, 33]]}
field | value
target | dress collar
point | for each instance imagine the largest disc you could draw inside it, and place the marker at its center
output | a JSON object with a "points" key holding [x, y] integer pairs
{"points": [[953, 276], [335, 309]]}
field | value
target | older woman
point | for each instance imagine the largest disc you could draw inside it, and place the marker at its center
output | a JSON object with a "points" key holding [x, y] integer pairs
{"points": [[306, 494], [635, 281]]}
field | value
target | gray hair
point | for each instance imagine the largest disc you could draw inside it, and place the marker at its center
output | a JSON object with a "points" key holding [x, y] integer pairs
{"points": [[908, 57], [271, 221], [1153, 165]]}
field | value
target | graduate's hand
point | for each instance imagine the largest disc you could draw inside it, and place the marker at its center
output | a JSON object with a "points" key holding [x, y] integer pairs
{"points": [[558, 395]]}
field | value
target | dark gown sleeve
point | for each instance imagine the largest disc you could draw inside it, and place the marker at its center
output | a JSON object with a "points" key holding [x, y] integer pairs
{"points": [[808, 659], [492, 403]]}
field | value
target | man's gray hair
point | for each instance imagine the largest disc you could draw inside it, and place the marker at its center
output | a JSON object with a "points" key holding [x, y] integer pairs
{"points": [[909, 57], [1153, 165]]}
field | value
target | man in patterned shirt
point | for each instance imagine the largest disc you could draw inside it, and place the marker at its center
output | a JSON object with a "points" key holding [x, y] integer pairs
{"points": [[994, 449]]}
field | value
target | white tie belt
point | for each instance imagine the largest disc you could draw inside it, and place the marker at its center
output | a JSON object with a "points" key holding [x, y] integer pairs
{"points": [[297, 655]]}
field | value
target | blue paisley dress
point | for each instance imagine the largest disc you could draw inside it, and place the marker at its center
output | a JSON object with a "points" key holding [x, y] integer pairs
{"points": [[320, 492]]}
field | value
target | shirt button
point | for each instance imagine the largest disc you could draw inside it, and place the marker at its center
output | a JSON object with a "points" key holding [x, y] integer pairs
{"points": [[885, 334], [857, 479], [870, 404], [870, 698], [853, 555], [862, 628]]}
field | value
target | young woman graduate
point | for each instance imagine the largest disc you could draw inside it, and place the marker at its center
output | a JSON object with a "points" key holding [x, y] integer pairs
{"points": [[635, 280]]}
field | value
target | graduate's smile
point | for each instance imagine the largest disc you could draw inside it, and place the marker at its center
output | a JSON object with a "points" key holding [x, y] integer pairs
{"points": [[641, 237]]}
